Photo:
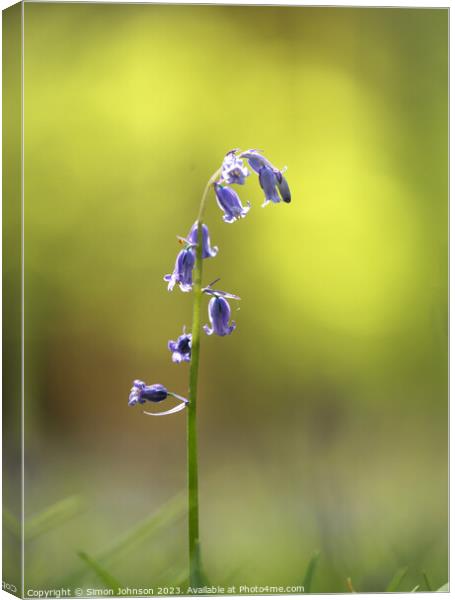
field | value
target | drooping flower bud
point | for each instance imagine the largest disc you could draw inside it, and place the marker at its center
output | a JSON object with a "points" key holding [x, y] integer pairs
{"points": [[230, 203], [268, 183], [283, 187], [219, 315], [183, 271], [207, 250], [140, 393]]}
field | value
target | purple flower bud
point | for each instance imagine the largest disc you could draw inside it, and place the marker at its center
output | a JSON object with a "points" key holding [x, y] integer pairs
{"points": [[233, 170], [207, 251], [283, 187], [229, 201], [140, 393], [219, 315], [268, 182], [181, 349], [183, 271]]}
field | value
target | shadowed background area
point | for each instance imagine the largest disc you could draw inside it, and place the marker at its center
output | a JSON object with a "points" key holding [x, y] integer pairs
{"points": [[323, 418]]}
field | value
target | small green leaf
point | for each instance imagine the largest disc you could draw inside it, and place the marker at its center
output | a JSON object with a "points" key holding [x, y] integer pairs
{"points": [[444, 588], [309, 573], [396, 580], [104, 575]]}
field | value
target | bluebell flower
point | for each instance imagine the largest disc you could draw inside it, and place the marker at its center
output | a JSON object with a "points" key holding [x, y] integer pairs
{"points": [[140, 393], [207, 250], [233, 170], [219, 315], [264, 168], [229, 201], [268, 183], [183, 271], [181, 349]]}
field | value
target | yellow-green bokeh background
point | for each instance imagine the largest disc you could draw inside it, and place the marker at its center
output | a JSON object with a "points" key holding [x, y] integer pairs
{"points": [[323, 418]]}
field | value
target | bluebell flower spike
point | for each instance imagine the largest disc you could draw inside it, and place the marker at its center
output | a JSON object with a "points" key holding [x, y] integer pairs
{"points": [[183, 271], [207, 250], [233, 169], [229, 201], [219, 316], [181, 348]]}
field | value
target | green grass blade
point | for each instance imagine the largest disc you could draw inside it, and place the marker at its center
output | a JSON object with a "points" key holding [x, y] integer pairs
{"points": [[104, 575], [169, 513], [417, 587], [309, 573], [350, 587], [396, 580], [427, 581], [53, 516], [443, 588], [174, 577]]}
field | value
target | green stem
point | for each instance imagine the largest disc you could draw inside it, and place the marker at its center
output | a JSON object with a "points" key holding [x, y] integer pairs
{"points": [[195, 574]]}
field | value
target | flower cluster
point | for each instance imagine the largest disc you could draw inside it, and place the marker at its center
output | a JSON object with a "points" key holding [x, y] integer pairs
{"points": [[233, 171]]}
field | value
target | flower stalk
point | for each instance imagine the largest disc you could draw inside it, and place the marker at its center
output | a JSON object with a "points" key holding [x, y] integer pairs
{"points": [[195, 575], [193, 491]]}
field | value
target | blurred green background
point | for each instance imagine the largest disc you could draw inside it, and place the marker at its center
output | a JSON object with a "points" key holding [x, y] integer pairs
{"points": [[323, 418]]}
